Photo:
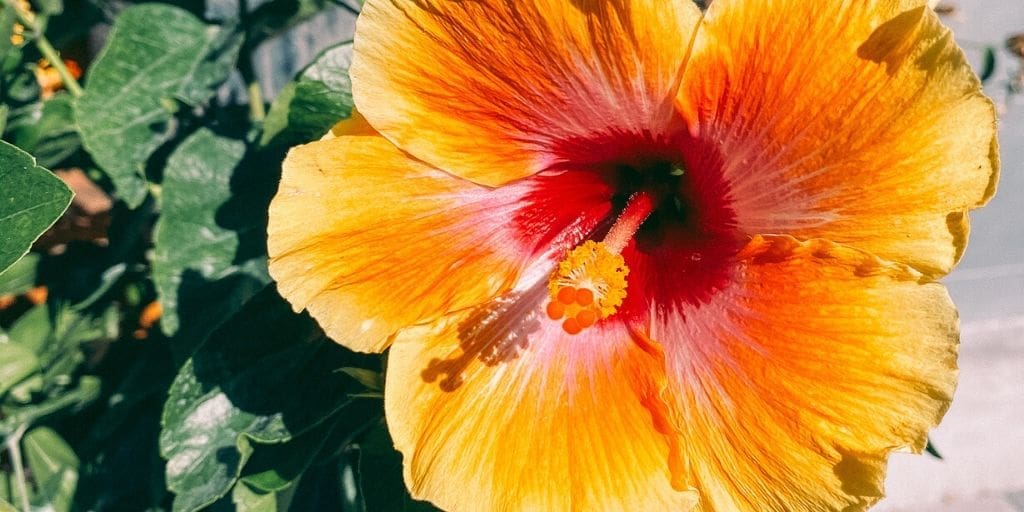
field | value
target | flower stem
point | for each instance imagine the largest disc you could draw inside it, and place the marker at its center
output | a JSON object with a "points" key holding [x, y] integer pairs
{"points": [[14, 446], [47, 49]]}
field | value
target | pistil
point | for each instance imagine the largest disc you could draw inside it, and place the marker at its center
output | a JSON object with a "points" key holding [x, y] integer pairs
{"points": [[638, 208], [590, 283]]}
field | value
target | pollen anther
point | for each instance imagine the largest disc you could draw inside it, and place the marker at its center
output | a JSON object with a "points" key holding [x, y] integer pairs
{"points": [[589, 284]]}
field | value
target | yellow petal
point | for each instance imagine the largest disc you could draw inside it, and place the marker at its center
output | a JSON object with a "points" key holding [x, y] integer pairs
{"points": [[371, 241], [796, 381], [858, 122], [495, 90], [497, 408]]}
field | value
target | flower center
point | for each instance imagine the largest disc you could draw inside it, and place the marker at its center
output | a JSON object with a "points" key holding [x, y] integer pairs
{"points": [[590, 283]]}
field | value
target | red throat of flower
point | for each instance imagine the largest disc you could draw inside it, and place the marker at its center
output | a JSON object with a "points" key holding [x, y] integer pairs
{"points": [[590, 283]]}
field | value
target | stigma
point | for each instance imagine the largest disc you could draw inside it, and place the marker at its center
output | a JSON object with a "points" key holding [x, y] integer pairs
{"points": [[590, 284]]}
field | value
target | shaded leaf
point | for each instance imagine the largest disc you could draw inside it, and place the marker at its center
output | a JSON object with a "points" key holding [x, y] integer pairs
{"points": [[123, 469], [273, 17], [307, 108], [200, 262], [375, 470], [31, 200], [46, 129], [275, 467], [156, 54], [266, 375]]}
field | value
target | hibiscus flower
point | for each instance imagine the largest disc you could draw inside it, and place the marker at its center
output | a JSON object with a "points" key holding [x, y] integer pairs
{"points": [[632, 256]]}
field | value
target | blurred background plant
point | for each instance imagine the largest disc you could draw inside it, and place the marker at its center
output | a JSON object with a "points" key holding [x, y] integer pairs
{"points": [[146, 360]]}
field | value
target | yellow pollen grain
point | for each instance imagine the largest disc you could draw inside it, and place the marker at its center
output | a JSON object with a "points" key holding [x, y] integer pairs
{"points": [[592, 266]]}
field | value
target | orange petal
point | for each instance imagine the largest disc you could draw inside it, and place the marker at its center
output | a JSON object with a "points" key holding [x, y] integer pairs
{"points": [[796, 381], [871, 131], [371, 241], [491, 89], [497, 409]]}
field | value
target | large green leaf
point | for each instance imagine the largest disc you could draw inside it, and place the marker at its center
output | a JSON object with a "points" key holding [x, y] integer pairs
{"points": [[31, 200], [209, 256], [157, 54], [308, 107], [266, 375]]}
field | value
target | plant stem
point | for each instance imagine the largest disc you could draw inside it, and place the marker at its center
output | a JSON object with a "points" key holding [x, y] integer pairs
{"points": [[257, 110], [47, 49], [14, 446]]}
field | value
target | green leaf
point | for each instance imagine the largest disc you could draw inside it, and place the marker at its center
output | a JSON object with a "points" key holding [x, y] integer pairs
{"points": [[369, 378], [248, 500], [270, 18], [53, 332], [54, 467], [46, 129], [988, 64], [932, 450], [72, 401], [7, 20], [122, 468], [201, 268], [32, 329], [50, 7], [157, 54], [47, 453], [375, 472], [16, 364], [266, 375], [307, 108], [31, 200], [275, 467], [21, 276]]}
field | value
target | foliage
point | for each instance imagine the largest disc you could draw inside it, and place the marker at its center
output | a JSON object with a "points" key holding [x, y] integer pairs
{"points": [[146, 359]]}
